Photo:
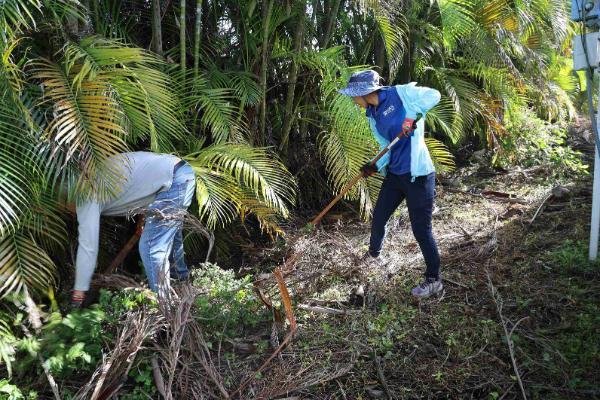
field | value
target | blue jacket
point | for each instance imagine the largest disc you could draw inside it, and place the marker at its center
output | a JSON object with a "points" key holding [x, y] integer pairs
{"points": [[415, 100]]}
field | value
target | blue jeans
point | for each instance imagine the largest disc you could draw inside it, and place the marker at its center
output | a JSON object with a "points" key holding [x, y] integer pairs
{"points": [[419, 197], [161, 243]]}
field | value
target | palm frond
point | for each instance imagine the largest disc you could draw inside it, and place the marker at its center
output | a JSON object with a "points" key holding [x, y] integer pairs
{"points": [[217, 195], [146, 94], [395, 36], [152, 106], [87, 126], [7, 344], [18, 15], [24, 265], [346, 146], [443, 118], [219, 113], [236, 178], [18, 168], [457, 18], [441, 156]]}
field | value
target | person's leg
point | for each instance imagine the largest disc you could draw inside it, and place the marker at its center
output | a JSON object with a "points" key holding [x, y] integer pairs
{"points": [[390, 197], [420, 200], [179, 269], [164, 219], [156, 242]]}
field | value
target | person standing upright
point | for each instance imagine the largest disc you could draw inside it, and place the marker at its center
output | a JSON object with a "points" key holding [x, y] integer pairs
{"points": [[407, 167]]}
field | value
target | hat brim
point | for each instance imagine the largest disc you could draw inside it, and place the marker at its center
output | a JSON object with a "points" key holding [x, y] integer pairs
{"points": [[353, 92]]}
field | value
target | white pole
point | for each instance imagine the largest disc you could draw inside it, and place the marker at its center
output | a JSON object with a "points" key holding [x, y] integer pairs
{"points": [[595, 196]]}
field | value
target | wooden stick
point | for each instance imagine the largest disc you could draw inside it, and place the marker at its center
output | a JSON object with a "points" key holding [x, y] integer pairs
{"points": [[508, 334], [337, 198], [127, 248], [350, 184], [541, 207], [326, 310], [381, 376]]}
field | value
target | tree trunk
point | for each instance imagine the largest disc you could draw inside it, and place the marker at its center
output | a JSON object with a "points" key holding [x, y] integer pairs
{"points": [[85, 24], [380, 55], [157, 46], [331, 21], [96, 16], [404, 73], [293, 77], [182, 37], [266, 15], [197, 37]]}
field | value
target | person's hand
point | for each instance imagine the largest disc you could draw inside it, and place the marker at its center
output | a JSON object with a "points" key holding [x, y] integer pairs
{"points": [[77, 299], [408, 125], [368, 169]]}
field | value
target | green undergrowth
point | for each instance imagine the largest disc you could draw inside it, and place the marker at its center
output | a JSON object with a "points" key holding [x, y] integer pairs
{"points": [[72, 345], [532, 142], [228, 306]]}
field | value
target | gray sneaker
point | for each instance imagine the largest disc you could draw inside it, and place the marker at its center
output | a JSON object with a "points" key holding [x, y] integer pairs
{"points": [[427, 288], [367, 259]]}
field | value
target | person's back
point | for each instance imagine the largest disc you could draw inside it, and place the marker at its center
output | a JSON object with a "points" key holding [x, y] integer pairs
{"points": [[138, 177], [142, 180]]}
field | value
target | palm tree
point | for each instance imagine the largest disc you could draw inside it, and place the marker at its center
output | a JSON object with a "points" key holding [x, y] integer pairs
{"points": [[73, 97], [100, 97]]}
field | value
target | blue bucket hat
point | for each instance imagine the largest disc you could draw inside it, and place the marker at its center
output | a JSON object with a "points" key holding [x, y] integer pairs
{"points": [[362, 83]]}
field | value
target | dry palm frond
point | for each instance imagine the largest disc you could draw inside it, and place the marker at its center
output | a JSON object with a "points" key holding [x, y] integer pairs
{"points": [[110, 376]]}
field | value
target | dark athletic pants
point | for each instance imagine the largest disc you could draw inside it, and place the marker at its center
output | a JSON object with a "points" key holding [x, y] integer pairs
{"points": [[419, 197]]}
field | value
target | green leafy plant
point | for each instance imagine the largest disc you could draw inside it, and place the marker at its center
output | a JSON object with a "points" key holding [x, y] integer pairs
{"points": [[229, 305], [532, 141], [70, 345], [572, 256], [8, 391]]}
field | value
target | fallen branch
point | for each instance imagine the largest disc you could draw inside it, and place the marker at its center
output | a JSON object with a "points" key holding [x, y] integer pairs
{"points": [[108, 378], [285, 297], [456, 283], [490, 195], [327, 310], [381, 376], [498, 302], [541, 207], [159, 382]]}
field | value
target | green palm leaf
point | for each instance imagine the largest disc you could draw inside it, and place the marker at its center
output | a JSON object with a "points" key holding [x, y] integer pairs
{"points": [[18, 14], [87, 126], [236, 178], [18, 170], [218, 111], [441, 156], [457, 20], [395, 36], [24, 264], [7, 344], [145, 94]]}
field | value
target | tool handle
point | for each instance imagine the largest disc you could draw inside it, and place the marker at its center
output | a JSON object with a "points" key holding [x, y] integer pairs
{"points": [[350, 184], [337, 198]]}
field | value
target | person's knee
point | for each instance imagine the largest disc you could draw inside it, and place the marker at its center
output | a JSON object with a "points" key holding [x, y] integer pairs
{"points": [[422, 232]]}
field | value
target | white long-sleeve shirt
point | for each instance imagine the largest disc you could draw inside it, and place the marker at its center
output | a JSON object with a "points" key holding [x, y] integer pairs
{"points": [[143, 175]]}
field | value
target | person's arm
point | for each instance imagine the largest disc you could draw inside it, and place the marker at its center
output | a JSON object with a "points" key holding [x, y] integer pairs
{"points": [[418, 100], [88, 217]]}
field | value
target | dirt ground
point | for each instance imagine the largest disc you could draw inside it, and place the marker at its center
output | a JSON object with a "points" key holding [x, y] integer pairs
{"points": [[518, 317]]}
